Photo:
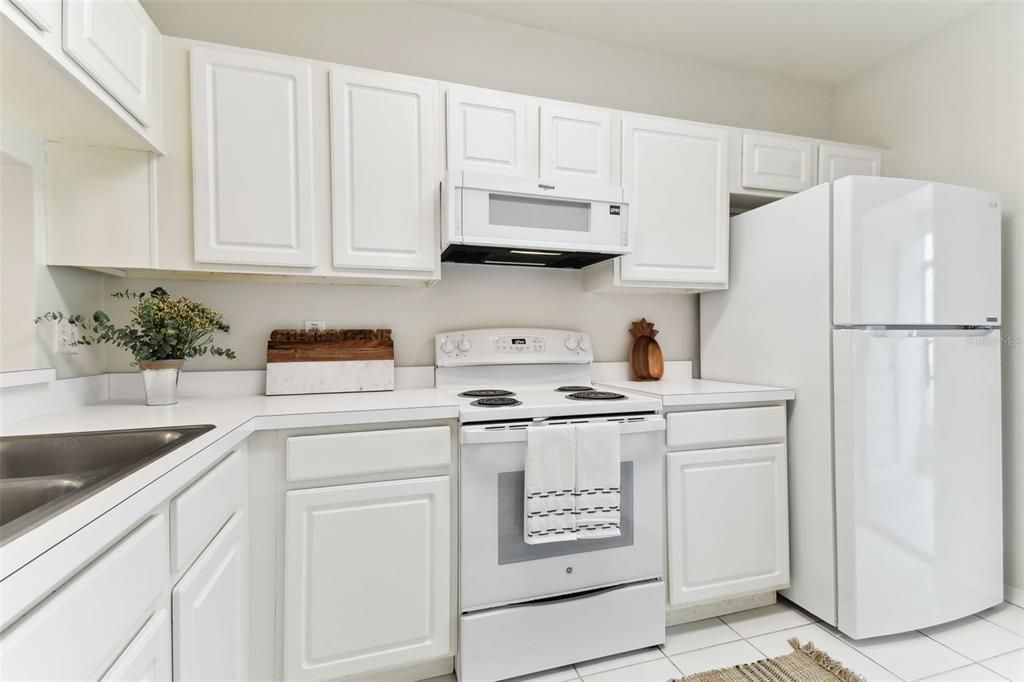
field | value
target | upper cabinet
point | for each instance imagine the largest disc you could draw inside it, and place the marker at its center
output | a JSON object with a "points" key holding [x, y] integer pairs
{"points": [[489, 132], [252, 155], [675, 178], [385, 170], [494, 132], [117, 43], [839, 160], [323, 172], [575, 143], [88, 71], [777, 162]]}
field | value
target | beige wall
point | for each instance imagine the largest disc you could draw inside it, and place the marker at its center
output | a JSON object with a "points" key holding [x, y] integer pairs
{"points": [[56, 288], [17, 269], [468, 296], [950, 108]]}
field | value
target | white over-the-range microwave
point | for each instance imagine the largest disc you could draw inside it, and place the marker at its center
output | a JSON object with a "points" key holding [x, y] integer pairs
{"points": [[506, 220]]}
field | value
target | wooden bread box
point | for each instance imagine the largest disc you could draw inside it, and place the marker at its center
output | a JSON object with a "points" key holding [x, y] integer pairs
{"points": [[330, 361]]}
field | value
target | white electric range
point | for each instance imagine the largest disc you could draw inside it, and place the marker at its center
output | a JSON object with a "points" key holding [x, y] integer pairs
{"points": [[525, 608]]}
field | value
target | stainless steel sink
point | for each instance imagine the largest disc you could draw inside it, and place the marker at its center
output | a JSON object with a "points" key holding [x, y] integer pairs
{"points": [[45, 474]]}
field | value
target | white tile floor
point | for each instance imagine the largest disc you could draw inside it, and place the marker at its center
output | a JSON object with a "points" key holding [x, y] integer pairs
{"points": [[976, 649]]}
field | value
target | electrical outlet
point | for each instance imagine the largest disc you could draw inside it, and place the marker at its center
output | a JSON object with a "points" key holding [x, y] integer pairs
{"points": [[65, 335], [315, 325]]}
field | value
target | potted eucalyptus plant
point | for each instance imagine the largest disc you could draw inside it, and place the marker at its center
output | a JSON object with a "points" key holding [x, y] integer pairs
{"points": [[161, 335]]}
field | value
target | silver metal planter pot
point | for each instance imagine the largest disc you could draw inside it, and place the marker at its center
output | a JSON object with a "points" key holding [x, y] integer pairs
{"points": [[160, 378]]}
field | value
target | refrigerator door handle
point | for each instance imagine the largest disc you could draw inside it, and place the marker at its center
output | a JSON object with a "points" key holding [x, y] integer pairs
{"points": [[923, 331]]}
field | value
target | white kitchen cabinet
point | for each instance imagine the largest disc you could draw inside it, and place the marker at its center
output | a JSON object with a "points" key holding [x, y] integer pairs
{"points": [[776, 162], [117, 44], [839, 160], [675, 179], [85, 625], [367, 577], [148, 657], [491, 132], [727, 523], [210, 610], [252, 158], [575, 143], [385, 138]]}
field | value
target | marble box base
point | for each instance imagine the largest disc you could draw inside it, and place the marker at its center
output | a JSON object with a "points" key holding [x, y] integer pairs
{"points": [[349, 376]]}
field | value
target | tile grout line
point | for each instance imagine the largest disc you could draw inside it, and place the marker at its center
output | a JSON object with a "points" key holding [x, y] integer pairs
{"points": [[982, 662], [859, 651], [999, 625], [621, 667], [960, 653]]}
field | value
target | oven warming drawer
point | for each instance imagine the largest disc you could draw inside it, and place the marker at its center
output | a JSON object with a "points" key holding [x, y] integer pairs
{"points": [[516, 640]]}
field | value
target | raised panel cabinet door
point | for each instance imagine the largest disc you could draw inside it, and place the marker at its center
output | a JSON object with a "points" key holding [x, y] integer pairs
{"points": [[575, 143], [384, 170], [367, 577], [675, 177], [252, 159], [727, 523], [487, 132], [117, 44], [837, 161], [210, 610], [148, 657], [776, 162]]}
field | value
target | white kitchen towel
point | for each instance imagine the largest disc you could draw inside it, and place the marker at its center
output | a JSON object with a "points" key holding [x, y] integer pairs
{"points": [[598, 462], [548, 495]]}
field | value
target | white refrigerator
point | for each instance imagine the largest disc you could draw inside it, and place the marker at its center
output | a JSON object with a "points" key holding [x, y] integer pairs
{"points": [[878, 300]]}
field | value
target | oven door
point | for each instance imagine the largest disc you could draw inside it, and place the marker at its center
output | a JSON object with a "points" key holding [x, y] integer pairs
{"points": [[497, 567], [530, 214]]}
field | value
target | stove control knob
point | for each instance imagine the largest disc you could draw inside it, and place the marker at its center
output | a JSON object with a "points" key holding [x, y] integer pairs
{"points": [[570, 342], [447, 346], [584, 344], [465, 345]]}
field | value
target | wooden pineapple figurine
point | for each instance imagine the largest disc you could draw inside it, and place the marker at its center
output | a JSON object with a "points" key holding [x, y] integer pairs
{"points": [[645, 357]]}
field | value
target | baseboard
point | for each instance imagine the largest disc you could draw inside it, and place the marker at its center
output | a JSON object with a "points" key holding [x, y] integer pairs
{"points": [[1014, 595], [688, 614]]}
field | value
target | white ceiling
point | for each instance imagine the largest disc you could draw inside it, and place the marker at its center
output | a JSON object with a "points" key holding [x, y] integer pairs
{"points": [[822, 41]]}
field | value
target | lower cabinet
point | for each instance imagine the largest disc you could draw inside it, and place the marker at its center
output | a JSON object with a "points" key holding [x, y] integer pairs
{"points": [[86, 624], [210, 610], [148, 657], [366, 577], [728, 530]]}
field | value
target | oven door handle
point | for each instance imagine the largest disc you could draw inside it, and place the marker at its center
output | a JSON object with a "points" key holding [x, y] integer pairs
{"points": [[471, 435]]}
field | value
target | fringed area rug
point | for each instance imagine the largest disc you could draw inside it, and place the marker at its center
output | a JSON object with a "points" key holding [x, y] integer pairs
{"points": [[805, 664]]}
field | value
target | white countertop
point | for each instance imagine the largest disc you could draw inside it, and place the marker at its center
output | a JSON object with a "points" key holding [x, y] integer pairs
{"points": [[234, 418], [677, 392]]}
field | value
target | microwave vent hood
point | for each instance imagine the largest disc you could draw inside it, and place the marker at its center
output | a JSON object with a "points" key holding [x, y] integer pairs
{"points": [[502, 255], [532, 222]]}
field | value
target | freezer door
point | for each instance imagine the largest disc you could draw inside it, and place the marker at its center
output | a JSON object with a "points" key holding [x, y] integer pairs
{"points": [[918, 469], [914, 253]]}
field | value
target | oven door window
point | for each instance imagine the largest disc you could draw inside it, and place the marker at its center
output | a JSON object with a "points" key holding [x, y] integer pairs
{"points": [[537, 212], [511, 547]]}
